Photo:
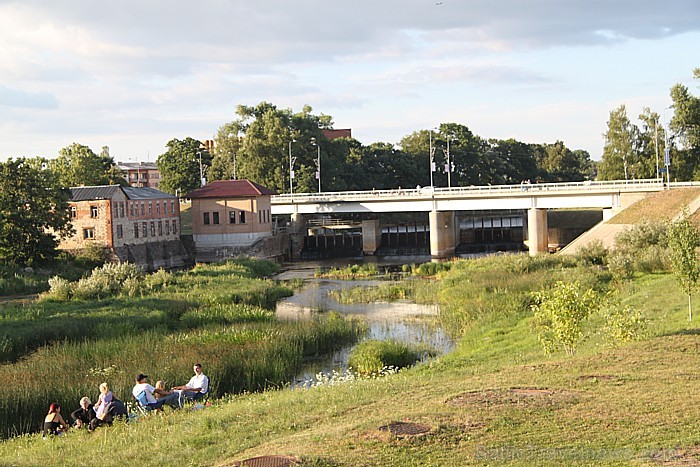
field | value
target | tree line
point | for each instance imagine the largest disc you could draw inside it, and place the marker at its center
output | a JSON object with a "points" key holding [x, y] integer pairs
{"points": [[267, 144]]}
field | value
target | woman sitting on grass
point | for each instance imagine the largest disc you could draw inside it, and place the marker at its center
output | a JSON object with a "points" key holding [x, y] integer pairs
{"points": [[83, 415], [53, 422], [160, 391]]}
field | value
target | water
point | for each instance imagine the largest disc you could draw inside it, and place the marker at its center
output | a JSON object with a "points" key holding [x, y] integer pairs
{"points": [[402, 321]]}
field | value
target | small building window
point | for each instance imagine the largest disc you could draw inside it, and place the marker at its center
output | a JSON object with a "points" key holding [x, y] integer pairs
{"points": [[150, 208], [157, 208], [136, 230], [174, 226], [131, 209], [153, 228], [121, 209], [160, 228], [73, 212], [206, 218], [144, 230], [172, 207], [241, 217], [260, 217], [167, 227], [89, 233], [120, 231], [143, 209], [232, 217], [93, 212], [215, 217]]}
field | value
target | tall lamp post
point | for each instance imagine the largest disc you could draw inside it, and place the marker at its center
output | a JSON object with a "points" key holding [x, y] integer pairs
{"points": [[318, 162], [201, 171], [448, 163], [230, 137], [432, 155], [291, 168]]}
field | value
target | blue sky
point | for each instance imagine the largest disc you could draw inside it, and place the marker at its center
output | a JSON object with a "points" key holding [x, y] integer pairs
{"points": [[132, 75]]}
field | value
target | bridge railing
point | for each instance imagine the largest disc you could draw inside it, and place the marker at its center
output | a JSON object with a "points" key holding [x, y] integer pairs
{"points": [[444, 192]]}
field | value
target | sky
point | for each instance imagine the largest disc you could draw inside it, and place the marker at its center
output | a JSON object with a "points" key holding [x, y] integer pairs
{"points": [[134, 74]]}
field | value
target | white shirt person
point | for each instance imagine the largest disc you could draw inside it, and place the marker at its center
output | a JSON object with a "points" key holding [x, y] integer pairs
{"points": [[197, 387]]}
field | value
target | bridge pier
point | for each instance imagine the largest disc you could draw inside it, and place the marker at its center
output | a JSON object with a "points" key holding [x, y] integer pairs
{"points": [[537, 236], [371, 236], [297, 232], [443, 238]]}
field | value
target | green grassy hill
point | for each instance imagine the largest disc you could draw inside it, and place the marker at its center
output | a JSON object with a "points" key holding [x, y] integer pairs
{"points": [[496, 400]]}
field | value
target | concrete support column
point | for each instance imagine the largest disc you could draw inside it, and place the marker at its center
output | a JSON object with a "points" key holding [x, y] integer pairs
{"points": [[297, 232], [371, 236], [443, 238], [537, 238]]}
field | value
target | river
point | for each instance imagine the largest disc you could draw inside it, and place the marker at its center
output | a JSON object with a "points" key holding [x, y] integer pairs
{"points": [[401, 320]]}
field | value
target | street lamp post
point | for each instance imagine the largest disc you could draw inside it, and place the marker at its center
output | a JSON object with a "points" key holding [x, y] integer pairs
{"points": [[291, 168], [318, 162], [432, 155], [201, 171], [448, 164], [230, 137]]}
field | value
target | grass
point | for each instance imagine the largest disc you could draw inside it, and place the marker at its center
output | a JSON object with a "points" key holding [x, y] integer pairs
{"points": [[495, 400], [664, 205]]}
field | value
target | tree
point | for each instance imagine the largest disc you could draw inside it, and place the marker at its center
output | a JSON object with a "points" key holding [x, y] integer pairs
{"points": [[33, 209], [619, 157], [685, 126], [560, 314], [179, 166], [683, 240], [78, 165], [557, 163]]}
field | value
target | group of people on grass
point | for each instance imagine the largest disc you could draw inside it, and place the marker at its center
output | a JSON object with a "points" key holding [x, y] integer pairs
{"points": [[108, 407]]}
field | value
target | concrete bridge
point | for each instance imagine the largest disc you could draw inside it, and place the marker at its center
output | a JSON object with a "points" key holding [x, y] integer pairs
{"points": [[441, 204]]}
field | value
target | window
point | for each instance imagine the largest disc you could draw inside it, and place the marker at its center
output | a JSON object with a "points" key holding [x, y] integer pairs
{"points": [[136, 230], [157, 208], [150, 208], [165, 207], [167, 227], [153, 228], [174, 226], [144, 230], [160, 228], [232, 217], [172, 207], [206, 218], [73, 212], [216, 217], [93, 212], [143, 209], [89, 233], [120, 231], [259, 217], [241, 217], [121, 209], [131, 209]]}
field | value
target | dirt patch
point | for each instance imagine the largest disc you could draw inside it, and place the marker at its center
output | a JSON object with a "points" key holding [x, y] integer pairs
{"points": [[527, 397], [596, 378], [675, 457], [405, 429], [266, 461]]}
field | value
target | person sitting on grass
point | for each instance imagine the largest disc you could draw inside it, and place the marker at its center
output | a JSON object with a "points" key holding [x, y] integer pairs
{"points": [[197, 387], [53, 422], [172, 399], [160, 391], [83, 416]]}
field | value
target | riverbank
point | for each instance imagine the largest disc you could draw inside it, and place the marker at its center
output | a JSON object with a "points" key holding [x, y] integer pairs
{"points": [[497, 399]]}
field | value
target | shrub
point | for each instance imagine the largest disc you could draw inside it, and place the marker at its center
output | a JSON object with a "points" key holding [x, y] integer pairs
{"points": [[624, 324], [372, 356], [593, 253], [560, 314], [60, 290]]}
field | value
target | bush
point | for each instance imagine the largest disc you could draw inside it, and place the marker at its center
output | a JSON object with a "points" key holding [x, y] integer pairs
{"points": [[624, 324], [593, 253], [372, 356], [60, 290]]}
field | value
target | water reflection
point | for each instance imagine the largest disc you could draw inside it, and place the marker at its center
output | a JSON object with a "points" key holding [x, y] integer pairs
{"points": [[402, 320]]}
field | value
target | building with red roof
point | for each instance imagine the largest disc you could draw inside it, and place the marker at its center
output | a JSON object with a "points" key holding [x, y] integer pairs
{"points": [[230, 213]]}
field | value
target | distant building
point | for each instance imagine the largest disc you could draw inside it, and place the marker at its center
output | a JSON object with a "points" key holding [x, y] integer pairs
{"points": [[140, 174], [334, 134], [230, 213], [128, 221]]}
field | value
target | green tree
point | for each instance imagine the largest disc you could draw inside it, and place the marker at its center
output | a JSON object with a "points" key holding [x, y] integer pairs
{"points": [[650, 144], [33, 208], [78, 165], [619, 150], [683, 240], [685, 127], [179, 166], [561, 313], [557, 163]]}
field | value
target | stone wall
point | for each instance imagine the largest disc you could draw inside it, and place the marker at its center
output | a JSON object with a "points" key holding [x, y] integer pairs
{"points": [[275, 247], [169, 254]]}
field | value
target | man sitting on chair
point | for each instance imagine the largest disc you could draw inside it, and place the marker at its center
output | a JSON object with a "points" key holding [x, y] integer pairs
{"points": [[197, 387], [143, 392]]}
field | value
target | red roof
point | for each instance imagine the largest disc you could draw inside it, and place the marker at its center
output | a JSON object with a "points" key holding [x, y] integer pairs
{"points": [[230, 189]]}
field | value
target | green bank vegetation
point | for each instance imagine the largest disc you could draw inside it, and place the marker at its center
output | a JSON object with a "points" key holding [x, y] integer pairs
{"points": [[621, 398]]}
